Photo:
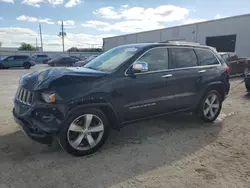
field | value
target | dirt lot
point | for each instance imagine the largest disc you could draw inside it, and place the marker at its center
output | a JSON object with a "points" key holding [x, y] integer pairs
{"points": [[177, 151]]}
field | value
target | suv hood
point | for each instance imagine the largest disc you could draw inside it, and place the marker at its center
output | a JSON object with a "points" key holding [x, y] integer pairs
{"points": [[43, 79]]}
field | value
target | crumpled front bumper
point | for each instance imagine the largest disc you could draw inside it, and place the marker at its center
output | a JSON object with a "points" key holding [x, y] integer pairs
{"points": [[32, 131], [40, 122]]}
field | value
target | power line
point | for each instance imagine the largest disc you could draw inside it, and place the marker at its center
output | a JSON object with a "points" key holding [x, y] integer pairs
{"points": [[41, 38], [62, 34]]}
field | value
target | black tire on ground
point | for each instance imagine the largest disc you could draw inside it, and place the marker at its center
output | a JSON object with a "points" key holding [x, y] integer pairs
{"points": [[26, 65], [202, 106], [1, 66], [63, 135]]}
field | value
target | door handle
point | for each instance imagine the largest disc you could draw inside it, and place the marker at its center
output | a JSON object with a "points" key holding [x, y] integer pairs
{"points": [[202, 71], [167, 75]]}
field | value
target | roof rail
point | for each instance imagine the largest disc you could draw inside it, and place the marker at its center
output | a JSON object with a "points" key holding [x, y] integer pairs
{"points": [[180, 42], [183, 42]]}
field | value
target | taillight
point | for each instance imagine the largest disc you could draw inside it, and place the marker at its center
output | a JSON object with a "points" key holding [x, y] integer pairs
{"points": [[228, 70]]}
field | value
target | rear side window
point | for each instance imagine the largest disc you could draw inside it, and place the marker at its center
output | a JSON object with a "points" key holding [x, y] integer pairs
{"points": [[21, 57], [184, 57], [206, 57]]}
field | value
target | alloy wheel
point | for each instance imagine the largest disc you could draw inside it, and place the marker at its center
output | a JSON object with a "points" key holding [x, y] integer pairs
{"points": [[211, 106], [85, 132]]}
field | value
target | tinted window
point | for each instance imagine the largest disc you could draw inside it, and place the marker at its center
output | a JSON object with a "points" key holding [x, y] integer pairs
{"points": [[11, 58], [157, 59], [21, 57], [184, 57], [206, 57], [66, 59]]}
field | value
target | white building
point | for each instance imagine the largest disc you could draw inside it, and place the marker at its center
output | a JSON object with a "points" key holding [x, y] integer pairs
{"points": [[230, 34]]}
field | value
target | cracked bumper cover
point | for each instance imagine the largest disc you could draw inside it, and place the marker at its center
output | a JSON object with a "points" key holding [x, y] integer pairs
{"points": [[30, 119]]}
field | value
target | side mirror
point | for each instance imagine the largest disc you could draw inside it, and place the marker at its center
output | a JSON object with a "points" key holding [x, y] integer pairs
{"points": [[139, 66]]}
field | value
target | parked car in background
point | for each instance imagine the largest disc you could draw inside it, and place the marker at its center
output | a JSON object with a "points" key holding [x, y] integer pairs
{"points": [[79, 106], [84, 62], [17, 61], [41, 58], [63, 61], [237, 65], [77, 58], [247, 82]]}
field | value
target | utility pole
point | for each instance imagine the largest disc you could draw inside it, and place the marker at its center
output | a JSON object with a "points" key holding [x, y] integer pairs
{"points": [[36, 43], [41, 38], [62, 34]]}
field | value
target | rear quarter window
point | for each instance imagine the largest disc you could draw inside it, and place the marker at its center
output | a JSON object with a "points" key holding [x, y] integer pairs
{"points": [[206, 57]]}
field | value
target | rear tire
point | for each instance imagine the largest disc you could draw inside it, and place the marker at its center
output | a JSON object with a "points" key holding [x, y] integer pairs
{"points": [[26, 65], [210, 106], [84, 132]]}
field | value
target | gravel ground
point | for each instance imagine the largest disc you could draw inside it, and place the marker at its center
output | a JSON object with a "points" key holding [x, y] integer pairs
{"points": [[172, 151]]}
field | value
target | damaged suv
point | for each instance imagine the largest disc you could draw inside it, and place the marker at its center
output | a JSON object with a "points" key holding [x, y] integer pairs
{"points": [[79, 106]]}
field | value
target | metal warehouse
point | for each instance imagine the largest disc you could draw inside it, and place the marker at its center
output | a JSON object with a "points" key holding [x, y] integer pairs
{"points": [[230, 34]]}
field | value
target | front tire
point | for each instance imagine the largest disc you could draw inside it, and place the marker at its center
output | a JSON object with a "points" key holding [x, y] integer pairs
{"points": [[1, 66], [84, 132], [26, 65], [210, 106]]}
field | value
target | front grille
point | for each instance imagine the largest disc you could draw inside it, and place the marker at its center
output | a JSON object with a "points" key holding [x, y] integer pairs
{"points": [[24, 96]]}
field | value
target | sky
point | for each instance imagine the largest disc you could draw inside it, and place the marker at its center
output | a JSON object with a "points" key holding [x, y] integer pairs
{"points": [[86, 22]]}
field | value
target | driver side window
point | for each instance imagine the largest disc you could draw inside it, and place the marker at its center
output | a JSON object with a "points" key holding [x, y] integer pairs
{"points": [[157, 59], [10, 58]]}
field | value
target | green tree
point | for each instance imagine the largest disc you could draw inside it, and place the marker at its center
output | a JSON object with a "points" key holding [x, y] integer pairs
{"points": [[26, 47]]}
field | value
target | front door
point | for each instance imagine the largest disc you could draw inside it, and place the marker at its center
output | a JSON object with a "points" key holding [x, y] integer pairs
{"points": [[148, 93], [9, 62]]}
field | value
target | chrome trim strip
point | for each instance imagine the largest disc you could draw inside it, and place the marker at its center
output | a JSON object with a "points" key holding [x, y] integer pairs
{"points": [[184, 68]]}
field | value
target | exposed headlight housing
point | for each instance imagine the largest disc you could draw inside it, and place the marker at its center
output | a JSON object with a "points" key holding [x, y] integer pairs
{"points": [[49, 97]]}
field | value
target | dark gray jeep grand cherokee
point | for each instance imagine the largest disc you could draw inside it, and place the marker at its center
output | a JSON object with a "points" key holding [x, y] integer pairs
{"points": [[79, 106]]}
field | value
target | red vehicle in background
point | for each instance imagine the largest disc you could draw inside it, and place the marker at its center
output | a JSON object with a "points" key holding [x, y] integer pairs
{"points": [[240, 66]]}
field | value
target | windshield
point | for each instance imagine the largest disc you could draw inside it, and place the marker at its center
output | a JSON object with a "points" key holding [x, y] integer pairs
{"points": [[110, 60]]}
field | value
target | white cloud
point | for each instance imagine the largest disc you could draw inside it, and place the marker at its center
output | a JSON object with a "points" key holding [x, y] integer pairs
{"points": [[136, 19], [33, 19], [7, 1], [94, 24], [17, 30], [72, 3], [165, 13], [219, 16], [67, 22], [124, 26], [36, 3], [191, 21], [124, 6], [132, 26], [55, 2], [108, 13]]}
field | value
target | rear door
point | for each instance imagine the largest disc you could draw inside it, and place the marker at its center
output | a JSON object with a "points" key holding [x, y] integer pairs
{"points": [[186, 76]]}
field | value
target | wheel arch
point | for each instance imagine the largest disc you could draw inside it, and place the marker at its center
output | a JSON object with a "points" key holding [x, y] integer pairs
{"points": [[105, 107], [218, 86]]}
